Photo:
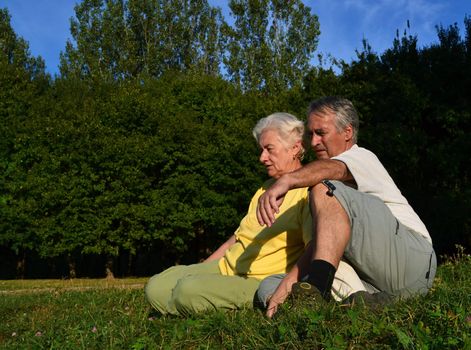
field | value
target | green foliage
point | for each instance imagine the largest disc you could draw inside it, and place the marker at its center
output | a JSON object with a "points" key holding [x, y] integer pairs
{"points": [[121, 167], [271, 44], [264, 49], [14, 51], [121, 318], [121, 39], [23, 81], [414, 115], [140, 147]]}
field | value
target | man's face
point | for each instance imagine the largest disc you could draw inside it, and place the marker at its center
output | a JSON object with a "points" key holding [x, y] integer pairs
{"points": [[325, 140]]}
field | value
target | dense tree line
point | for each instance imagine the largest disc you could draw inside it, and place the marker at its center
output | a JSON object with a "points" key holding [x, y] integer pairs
{"points": [[139, 154]]}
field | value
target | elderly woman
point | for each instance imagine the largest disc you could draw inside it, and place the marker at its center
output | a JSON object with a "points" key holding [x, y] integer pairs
{"points": [[229, 278]]}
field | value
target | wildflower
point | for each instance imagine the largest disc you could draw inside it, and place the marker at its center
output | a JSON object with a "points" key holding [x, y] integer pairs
{"points": [[94, 330], [38, 334], [14, 334]]}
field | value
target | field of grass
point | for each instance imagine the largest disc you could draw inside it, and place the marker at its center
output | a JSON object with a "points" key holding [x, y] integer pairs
{"points": [[103, 314]]}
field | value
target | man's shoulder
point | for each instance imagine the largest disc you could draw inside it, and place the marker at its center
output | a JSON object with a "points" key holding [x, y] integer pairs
{"points": [[359, 149], [355, 151], [359, 158]]}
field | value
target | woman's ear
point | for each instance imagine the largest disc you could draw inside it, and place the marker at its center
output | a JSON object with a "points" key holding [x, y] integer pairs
{"points": [[296, 148]]}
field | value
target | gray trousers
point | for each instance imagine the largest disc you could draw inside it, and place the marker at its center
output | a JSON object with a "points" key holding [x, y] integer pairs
{"points": [[384, 254]]}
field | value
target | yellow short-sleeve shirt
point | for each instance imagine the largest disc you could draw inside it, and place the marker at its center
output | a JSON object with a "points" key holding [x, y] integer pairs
{"points": [[261, 251]]}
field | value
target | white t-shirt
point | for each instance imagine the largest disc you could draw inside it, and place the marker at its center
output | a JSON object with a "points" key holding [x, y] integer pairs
{"points": [[371, 177]]}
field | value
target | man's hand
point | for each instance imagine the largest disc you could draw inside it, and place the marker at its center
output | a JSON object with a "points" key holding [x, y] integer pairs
{"points": [[280, 295], [269, 203]]}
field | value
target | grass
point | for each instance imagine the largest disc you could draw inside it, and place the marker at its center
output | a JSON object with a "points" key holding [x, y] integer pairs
{"points": [[100, 314], [19, 286]]}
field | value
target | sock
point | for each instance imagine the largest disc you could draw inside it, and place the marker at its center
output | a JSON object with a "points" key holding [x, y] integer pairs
{"points": [[321, 275]]}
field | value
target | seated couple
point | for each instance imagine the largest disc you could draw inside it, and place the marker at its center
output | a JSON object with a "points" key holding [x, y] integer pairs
{"points": [[337, 227]]}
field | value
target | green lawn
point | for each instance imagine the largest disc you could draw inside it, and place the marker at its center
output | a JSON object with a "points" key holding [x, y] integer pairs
{"points": [[101, 314]]}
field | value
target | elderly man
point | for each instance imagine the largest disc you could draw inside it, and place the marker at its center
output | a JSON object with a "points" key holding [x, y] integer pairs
{"points": [[360, 218]]}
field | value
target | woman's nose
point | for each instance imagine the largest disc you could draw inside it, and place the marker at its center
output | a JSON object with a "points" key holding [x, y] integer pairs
{"points": [[263, 156]]}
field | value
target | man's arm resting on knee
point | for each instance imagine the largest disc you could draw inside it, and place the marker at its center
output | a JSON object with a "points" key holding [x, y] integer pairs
{"points": [[309, 175]]}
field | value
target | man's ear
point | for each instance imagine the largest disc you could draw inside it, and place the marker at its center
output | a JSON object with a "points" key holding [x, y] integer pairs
{"points": [[348, 132]]}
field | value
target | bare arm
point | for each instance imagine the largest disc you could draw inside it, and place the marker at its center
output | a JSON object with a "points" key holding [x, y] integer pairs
{"points": [[309, 175], [296, 273], [313, 173], [219, 253]]}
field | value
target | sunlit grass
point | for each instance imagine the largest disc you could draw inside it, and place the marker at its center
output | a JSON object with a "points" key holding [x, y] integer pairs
{"points": [[84, 283], [111, 316]]}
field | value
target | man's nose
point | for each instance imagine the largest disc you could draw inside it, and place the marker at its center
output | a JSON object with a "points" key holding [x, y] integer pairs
{"points": [[316, 139]]}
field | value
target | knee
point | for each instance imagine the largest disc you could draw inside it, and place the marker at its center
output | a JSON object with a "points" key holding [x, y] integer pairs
{"points": [[321, 192], [323, 201], [155, 294], [266, 289], [189, 298]]}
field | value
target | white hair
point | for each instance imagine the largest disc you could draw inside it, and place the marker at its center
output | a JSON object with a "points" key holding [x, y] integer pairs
{"points": [[289, 128]]}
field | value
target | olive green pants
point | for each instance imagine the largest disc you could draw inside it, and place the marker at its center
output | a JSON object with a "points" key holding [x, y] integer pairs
{"points": [[189, 289]]}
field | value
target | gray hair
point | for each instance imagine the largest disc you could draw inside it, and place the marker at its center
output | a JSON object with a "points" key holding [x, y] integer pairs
{"points": [[345, 113], [290, 129]]}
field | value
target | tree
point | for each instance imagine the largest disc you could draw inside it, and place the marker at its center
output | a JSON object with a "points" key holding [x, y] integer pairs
{"points": [[23, 80], [22, 77], [116, 39], [414, 99], [270, 44]]}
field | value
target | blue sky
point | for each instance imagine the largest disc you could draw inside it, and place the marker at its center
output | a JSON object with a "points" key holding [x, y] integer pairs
{"points": [[344, 23]]}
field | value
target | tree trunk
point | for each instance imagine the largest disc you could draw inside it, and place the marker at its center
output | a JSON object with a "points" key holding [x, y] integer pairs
{"points": [[21, 265], [109, 268], [129, 267], [72, 267]]}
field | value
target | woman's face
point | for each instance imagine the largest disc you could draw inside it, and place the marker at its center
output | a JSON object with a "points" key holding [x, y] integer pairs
{"points": [[277, 157]]}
